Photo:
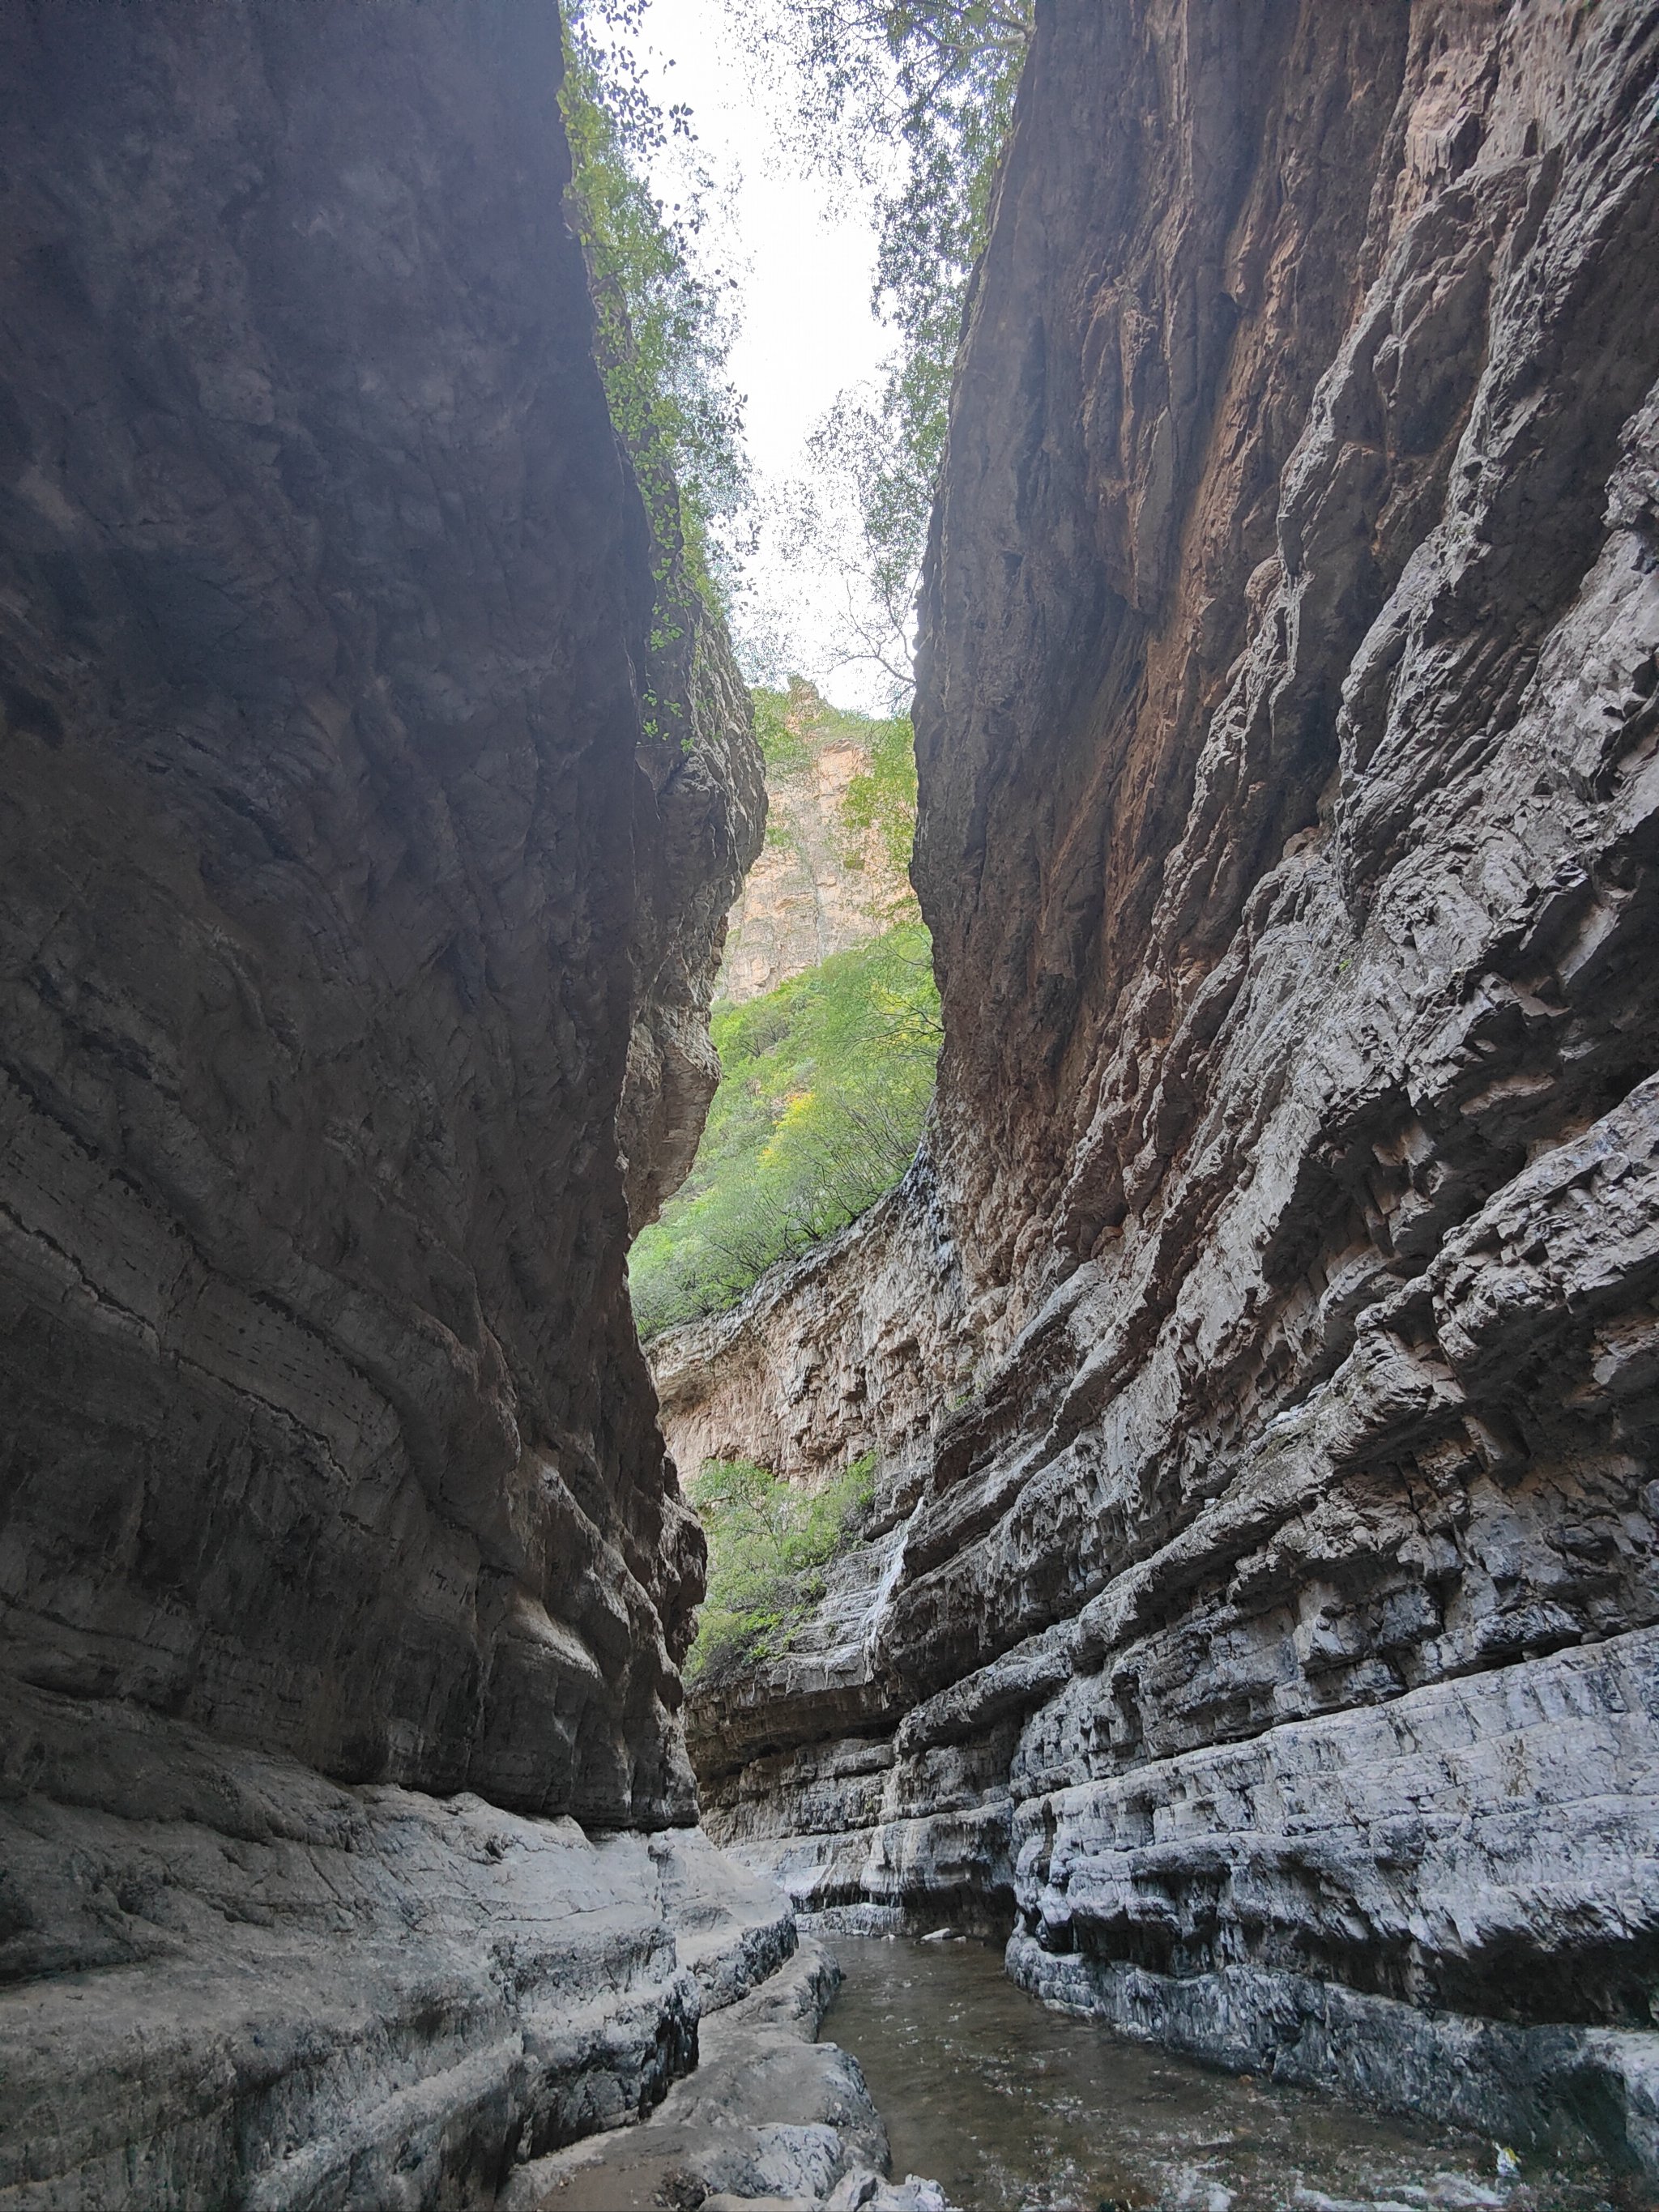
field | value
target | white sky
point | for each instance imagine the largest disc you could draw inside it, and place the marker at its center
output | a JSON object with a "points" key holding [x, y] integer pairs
{"points": [[805, 268]]}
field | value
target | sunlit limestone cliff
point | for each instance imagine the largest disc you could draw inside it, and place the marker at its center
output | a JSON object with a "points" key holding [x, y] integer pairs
{"points": [[825, 879]]}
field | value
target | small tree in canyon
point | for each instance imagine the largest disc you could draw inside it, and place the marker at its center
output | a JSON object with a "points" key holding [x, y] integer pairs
{"points": [[934, 80]]}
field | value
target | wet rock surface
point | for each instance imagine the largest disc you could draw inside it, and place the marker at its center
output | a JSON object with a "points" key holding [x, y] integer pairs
{"points": [[340, 1547], [1270, 1636], [771, 2116], [1016, 2110]]}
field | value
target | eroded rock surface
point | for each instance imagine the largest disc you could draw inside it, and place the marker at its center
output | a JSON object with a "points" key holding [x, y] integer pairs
{"points": [[232, 1981], [698, 825], [858, 1346], [770, 2116], [324, 593], [325, 1426], [1273, 1633]]}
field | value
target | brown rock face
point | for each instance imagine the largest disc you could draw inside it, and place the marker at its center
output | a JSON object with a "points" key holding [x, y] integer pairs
{"points": [[326, 1448], [1272, 1636]]}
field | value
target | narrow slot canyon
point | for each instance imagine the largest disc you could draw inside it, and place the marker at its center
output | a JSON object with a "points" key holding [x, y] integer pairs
{"points": [[845, 1449]]}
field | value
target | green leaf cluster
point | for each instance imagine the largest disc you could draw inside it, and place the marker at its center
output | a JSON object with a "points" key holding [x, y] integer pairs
{"points": [[780, 730], [663, 330], [935, 79], [884, 797], [768, 1545], [793, 724], [824, 1087]]}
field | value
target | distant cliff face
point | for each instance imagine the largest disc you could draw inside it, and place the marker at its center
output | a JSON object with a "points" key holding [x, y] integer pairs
{"points": [[820, 883], [858, 1346], [1271, 1635], [327, 1449]]}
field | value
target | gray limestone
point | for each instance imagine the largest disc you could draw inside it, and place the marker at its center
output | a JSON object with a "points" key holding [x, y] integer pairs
{"points": [[1261, 1621]]}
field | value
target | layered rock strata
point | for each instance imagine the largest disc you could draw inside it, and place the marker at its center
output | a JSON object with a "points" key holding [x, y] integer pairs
{"points": [[324, 592], [1272, 1636], [231, 1981], [857, 1347]]}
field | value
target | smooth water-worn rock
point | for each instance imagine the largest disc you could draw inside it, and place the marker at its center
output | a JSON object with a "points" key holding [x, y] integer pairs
{"points": [[325, 595], [229, 1980], [771, 2117], [1271, 1635]]}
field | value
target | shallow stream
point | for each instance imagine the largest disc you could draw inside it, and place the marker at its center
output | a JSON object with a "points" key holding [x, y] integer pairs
{"points": [[1010, 2105]]}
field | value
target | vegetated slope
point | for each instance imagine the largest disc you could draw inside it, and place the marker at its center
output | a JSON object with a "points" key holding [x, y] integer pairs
{"points": [[824, 1088], [1273, 1635], [337, 1516], [769, 1543]]}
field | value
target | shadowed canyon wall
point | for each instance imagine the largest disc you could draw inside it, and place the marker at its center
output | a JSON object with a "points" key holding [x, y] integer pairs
{"points": [[330, 1469], [1270, 1636]]}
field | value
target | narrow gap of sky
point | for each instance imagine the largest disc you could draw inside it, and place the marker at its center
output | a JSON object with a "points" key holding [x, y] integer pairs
{"points": [[804, 258]]}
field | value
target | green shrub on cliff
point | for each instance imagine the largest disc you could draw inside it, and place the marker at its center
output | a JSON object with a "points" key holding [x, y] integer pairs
{"points": [[792, 727], [768, 1545], [663, 325], [824, 1086], [778, 728]]}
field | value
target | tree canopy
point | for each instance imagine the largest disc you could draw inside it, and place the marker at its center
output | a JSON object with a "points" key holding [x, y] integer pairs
{"points": [[934, 80], [908, 100], [665, 326]]}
